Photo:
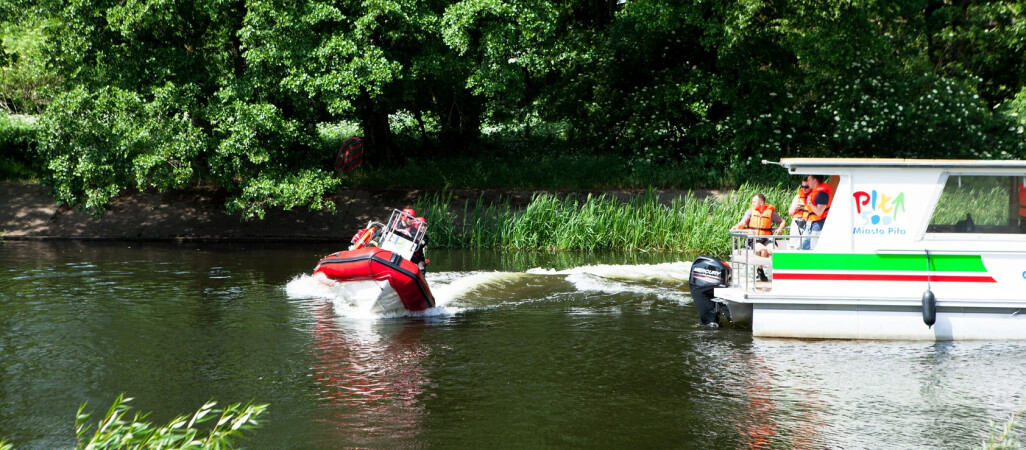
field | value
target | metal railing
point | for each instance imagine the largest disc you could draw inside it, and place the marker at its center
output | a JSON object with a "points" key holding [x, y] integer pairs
{"points": [[744, 262]]}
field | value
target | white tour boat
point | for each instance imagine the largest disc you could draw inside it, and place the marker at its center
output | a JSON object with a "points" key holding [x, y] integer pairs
{"points": [[910, 249]]}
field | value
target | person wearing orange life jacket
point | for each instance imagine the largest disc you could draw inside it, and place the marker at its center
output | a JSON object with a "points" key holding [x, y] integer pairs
{"points": [[797, 210], [760, 218], [817, 204], [1022, 206]]}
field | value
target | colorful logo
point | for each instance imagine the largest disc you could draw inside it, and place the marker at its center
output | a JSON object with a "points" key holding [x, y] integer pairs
{"points": [[878, 208]]}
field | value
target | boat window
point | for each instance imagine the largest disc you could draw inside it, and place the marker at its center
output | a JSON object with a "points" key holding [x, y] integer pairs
{"points": [[980, 204]]}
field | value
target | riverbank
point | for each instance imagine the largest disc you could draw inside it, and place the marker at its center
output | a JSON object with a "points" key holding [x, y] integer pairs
{"points": [[27, 212]]}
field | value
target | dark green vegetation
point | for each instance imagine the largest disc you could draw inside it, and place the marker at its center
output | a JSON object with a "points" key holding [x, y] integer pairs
{"points": [[256, 96], [683, 224]]}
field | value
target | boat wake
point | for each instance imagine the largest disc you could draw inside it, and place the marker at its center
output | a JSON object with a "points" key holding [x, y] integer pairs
{"points": [[662, 280], [454, 293], [457, 292]]}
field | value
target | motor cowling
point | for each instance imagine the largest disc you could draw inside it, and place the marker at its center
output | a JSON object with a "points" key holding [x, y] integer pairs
{"points": [[708, 273]]}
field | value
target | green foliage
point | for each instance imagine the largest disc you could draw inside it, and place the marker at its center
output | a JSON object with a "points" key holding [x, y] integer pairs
{"points": [[23, 73], [97, 144], [116, 430], [17, 142], [551, 222], [288, 190], [157, 94], [322, 49], [333, 135], [1014, 114], [535, 168], [981, 39]]}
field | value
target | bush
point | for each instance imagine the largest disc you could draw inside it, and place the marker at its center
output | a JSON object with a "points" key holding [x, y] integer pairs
{"points": [[17, 144], [96, 144]]}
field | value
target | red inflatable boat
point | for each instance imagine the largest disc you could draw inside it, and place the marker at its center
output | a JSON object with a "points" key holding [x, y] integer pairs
{"points": [[399, 283], [382, 265]]}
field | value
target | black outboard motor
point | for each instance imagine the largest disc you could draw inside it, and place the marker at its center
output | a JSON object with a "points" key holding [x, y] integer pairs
{"points": [[708, 273]]}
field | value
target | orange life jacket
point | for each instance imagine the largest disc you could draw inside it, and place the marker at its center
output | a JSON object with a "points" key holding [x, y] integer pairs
{"points": [[811, 200], [762, 220], [1022, 200], [803, 213]]}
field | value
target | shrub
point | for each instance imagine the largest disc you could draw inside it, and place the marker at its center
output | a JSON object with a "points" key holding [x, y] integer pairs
{"points": [[17, 144], [116, 431]]}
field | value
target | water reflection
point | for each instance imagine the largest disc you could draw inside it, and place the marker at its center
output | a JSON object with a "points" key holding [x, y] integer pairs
{"points": [[371, 374], [772, 418], [878, 394]]}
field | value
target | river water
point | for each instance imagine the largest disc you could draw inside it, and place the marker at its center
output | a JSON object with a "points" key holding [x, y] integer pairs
{"points": [[524, 350]]}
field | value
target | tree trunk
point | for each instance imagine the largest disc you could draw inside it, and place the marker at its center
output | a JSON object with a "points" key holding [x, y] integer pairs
{"points": [[425, 141], [377, 134], [461, 122]]}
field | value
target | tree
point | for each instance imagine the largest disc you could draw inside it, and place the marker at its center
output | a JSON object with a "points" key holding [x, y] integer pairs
{"points": [[158, 94]]}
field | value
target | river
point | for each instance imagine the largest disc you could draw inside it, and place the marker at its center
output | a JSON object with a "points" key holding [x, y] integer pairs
{"points": [[524, 350]]}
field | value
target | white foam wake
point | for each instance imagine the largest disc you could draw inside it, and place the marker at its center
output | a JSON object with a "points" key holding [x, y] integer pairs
{"points": [[456, 289], [675, 271], [453, 293], [456, 292], [639, 279]]}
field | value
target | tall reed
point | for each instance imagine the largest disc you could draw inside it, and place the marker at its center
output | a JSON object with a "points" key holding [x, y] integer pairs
{"points": [[603, 222], [982, 204]]}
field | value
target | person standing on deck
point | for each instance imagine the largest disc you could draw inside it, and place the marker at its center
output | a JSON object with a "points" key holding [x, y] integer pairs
{"points": [[817, 204], [798, 212]]}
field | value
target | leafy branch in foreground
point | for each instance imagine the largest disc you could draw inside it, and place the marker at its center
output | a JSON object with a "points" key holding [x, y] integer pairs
{"points": [[1001, 437], [114, 431]]}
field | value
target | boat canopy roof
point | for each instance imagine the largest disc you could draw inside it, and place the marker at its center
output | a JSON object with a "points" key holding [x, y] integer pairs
{"points": [[807, 165]]}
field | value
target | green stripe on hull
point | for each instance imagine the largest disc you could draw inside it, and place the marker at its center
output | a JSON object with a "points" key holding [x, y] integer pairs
{"points": [[853, 261]]}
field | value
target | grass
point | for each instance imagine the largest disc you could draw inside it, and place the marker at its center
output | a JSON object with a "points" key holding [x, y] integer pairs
{"points": [[569, 222], [986, 205]]}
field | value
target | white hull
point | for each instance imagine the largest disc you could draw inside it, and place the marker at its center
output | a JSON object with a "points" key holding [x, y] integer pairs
{"points": [[883, 322], [377, 297]]}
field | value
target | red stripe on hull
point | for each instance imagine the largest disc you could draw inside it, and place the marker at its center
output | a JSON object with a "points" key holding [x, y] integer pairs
{"points": [[884, 277], [372, 263]]}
